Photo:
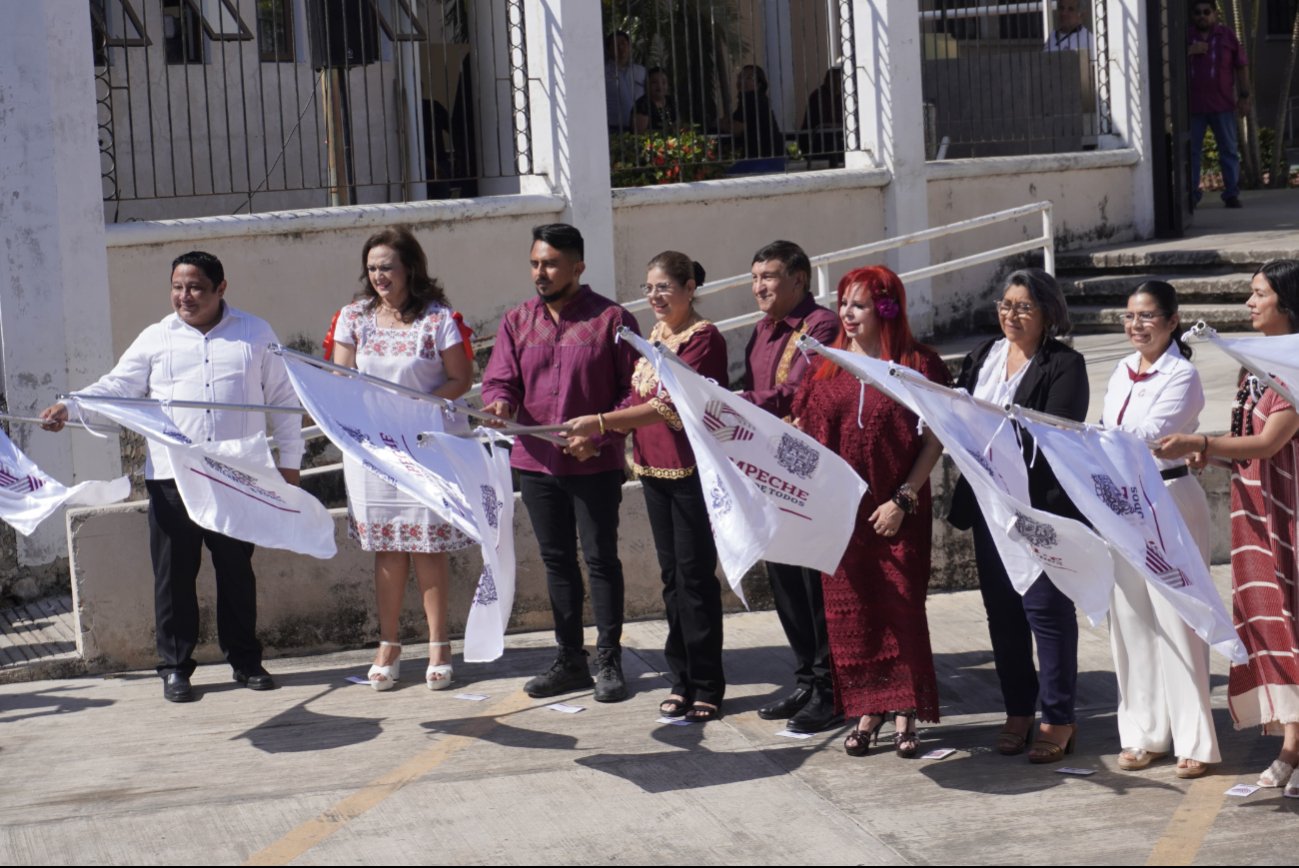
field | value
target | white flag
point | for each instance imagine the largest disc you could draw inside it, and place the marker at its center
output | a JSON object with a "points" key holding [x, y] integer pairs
{"points": [[772, 492], [982, 443], [454, 476], [28, 496], [1112, 478], [1277, 355], [231, 487]]}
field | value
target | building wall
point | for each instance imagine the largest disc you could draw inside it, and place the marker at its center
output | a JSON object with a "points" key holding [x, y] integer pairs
{"points": [[296, 268]]}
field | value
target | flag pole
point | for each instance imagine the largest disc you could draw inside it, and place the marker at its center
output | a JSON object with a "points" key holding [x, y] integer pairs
{"points": [[36, 420], [406, 391], [188, 405]]}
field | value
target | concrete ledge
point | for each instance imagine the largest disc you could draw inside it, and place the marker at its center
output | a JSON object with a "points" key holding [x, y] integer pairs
{"points": [[984, 167], [753, 187], [310, 606], [319, 219]]}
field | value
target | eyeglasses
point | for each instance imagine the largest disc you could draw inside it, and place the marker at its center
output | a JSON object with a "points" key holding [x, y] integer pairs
{"points": [[1145, 317], [1203, 13], [657, 288], [1022, 308]]}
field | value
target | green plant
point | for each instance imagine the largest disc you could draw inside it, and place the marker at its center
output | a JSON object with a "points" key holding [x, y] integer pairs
{"points": [[639, 160]]}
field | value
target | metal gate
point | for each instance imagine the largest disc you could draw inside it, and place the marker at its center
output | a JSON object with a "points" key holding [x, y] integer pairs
{"points": [[1170, 152]]}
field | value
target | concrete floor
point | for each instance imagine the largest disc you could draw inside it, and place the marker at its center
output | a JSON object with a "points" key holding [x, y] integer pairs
{"points": [[102, 770]]}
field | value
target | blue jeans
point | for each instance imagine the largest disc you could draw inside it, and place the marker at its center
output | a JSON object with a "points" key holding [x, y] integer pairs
{"points": [[1223, 125]]}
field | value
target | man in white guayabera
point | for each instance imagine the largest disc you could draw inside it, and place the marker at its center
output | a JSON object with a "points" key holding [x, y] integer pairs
{"points": [[206, 351]]}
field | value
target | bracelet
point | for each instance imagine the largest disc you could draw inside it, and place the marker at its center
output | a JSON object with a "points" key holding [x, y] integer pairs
{"points": [[599, 417], [1205, 450], [905, 498]]}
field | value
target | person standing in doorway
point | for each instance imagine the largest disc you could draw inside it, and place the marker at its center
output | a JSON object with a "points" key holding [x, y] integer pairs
{"points": [[1218, 86]]}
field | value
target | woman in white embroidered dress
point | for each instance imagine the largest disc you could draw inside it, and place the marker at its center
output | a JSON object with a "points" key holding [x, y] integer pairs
{"points": [[1161, 664], [401, 329]]}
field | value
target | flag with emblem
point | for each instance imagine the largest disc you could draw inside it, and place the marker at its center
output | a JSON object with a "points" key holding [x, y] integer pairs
{"points": [[407, 443], [772, 492], [28, 496], [1114, 481], [231, 487]]}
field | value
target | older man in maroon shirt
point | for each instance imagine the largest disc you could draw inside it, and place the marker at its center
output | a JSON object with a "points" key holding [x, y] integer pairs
{"points": [[556, 358], [772, 371]]}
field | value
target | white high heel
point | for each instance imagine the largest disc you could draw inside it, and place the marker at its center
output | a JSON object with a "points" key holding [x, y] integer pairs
{"points": [[385, 677], [438, 675]]}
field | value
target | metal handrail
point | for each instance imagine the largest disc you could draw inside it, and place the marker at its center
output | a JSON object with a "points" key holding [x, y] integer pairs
{"points": [[822, 262]]}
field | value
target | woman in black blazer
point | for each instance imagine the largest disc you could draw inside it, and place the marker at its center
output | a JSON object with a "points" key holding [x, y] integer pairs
{"points": [[1031, 368]]}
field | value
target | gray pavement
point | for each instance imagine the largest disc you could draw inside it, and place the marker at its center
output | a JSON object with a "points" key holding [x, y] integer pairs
{"points": [[321, 771]]}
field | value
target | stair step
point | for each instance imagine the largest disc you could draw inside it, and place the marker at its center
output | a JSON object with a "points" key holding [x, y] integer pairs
{"points": [[1169, 260], [1223, 288], [1094, 318]]}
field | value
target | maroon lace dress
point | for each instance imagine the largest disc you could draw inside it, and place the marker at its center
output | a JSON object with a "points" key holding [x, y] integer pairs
{"points": [[875, 601]]}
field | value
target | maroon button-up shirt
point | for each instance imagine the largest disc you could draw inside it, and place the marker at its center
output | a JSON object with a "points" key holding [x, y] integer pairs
{"points": [[1212, 75], [549, 372], [767, 346]]}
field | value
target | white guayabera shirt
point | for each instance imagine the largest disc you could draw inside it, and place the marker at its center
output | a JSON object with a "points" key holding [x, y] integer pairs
{"points": [[231, 363]]}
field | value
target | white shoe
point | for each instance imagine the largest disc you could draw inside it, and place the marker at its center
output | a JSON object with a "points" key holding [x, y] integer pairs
{"points": [[1277, 774], [1292, 788], [438, 676], [386, 677]]}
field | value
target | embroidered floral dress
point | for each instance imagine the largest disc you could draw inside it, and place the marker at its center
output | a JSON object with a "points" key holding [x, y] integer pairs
{"points": [[381, 518], [875, 601]]}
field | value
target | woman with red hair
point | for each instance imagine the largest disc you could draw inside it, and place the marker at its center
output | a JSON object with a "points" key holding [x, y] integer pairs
{"points": [[875, 600]]}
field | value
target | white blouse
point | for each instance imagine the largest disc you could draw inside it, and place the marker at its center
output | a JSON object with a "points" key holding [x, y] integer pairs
{"points": [[1168, 402], [993, 384]]}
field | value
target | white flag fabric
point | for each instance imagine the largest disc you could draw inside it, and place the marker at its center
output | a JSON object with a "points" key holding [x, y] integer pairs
{"points": [[28, 495], [1277, 355], [1112, 478], [876, 371], [983, 445], [772, 492], [454, 476], [231, 487]]}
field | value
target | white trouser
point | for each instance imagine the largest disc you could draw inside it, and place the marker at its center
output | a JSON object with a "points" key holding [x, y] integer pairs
{"points": [[1162, 666]]}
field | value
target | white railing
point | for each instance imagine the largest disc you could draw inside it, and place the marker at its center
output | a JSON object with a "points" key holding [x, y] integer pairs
{"points": [[821, 264]]}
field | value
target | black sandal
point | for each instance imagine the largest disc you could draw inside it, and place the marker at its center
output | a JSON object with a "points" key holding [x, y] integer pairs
{"points": [[674, 706], [905, 742], [859, 741], [702, 712]]}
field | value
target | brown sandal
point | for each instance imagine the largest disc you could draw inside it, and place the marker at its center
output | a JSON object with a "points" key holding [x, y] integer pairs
{"points": [[1011, 743], [1047, 751]]}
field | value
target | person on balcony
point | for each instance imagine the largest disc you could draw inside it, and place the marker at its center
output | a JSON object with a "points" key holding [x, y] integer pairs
{"points": [[1070, 33], [754, 123], [624, 82], [656, 111]]}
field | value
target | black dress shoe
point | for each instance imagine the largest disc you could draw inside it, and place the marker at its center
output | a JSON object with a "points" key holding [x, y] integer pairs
{"points": [[255, 679], [785, 708], [817, 715], [175, 688]]}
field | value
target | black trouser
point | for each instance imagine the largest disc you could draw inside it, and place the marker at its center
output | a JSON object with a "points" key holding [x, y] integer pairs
{"points": [[564, 509], [692, 596], [1043, 614], [176, 545], [802, 613]]}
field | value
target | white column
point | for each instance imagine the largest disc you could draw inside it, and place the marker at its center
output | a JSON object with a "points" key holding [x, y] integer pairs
{"points": [[54, 304], [570, 129], [1130, 98], [891, 119]]}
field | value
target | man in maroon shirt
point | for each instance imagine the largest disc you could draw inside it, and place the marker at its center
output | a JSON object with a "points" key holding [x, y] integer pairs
{"points": [[1216, 75], [773, 369], [556, 358]]}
